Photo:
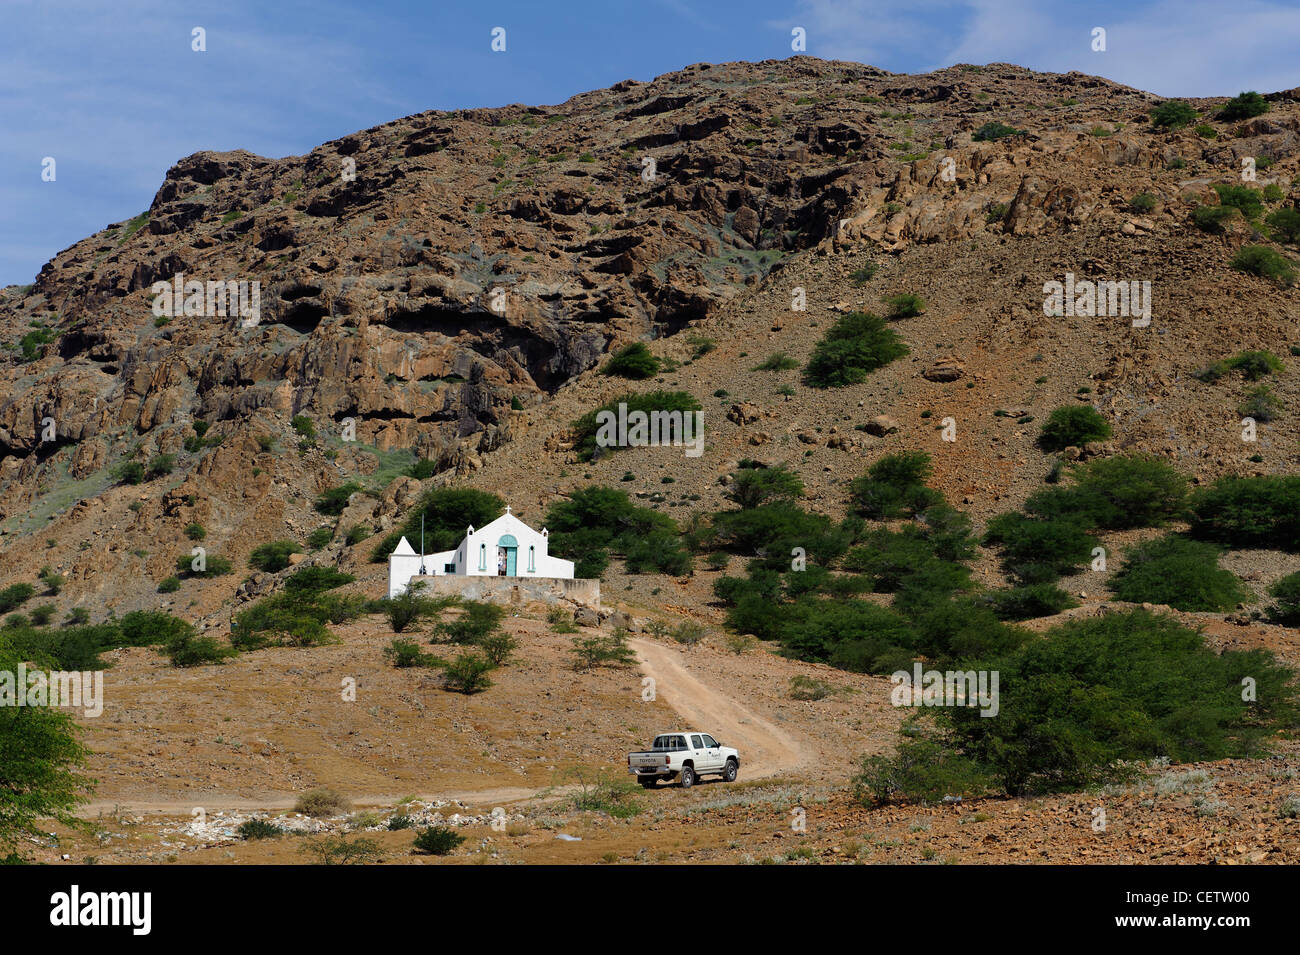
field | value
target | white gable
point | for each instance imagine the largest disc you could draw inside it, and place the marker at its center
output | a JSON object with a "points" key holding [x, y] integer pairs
{"points": [[404, 549]]}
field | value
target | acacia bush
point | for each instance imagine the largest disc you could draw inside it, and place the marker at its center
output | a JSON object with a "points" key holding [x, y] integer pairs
{"points": [[1030, 601], [894, 486], [1173, 114], [1116, 493], [1182, 573], [477, 621], [437, 840], [856, 345], [1266, 263], [595, 521], [1286, 592], [273, 556], [1077, 703], [1036, 550], [632, 361], [1073, 425], [467, 674], [651, 403], [1244, 106], [1249, 512]]}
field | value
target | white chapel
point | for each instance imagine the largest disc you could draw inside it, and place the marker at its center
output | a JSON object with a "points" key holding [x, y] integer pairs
{"points": [[507, 547]]}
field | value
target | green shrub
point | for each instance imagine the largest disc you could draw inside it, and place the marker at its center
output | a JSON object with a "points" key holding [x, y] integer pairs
{"points": [[339, 850], [1249, 512], [41, 616], [1260, 404], [32, 345], [1243, 198], [438, 841], [356, 534], [1130, 686], [751, 487], [596, 520], [498, 647], [196, 532], [190, 650], [333, 502], [1142, 203], [151, 628], [14, 596], [905, 305], [1244, 106], [1116, 493], [476, 622], [920, 770], [1284, 225], [632, 361], [321, 537], [129, 472], [1182, 573], [404, 654], [856, 345], [602, 650], [273, 556], [1028, 602], [656, 405], [992, 131], [894, 486], [160, 465], [409, 607], [293, 618], [1286, 592], [1264, 262], [467, 674], [259, 829], [40, 759], [304, 425], [777, 361], [1212, 218], [1073, 425], [316, 579], [1173, 114], [1036, 551], [1255, 365]]}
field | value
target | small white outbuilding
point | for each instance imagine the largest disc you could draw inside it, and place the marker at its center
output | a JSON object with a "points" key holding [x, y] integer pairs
{"points": [[507, 547]]}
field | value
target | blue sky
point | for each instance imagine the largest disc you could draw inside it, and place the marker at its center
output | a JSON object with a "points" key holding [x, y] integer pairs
{"points": [[114, 93]]}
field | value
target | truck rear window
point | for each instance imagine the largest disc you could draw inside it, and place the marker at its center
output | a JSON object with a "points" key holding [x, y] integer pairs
{"points": [[669, 744]]}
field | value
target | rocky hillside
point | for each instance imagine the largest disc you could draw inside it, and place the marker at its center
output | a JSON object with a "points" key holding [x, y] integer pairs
{"points": [[445, 284]]}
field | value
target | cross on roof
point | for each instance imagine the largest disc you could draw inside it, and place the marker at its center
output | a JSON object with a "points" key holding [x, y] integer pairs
{"points": [[507, 508]]}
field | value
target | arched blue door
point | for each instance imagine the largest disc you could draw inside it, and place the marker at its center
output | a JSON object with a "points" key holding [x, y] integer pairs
{"points": [[507, 549]]}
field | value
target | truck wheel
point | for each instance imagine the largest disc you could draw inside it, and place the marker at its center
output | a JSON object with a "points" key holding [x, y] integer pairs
{"points": [[648, 783], [687, 777], [729, 773]]}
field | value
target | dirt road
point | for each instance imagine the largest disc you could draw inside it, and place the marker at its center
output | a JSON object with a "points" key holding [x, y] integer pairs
{"points": [[765, 750]]}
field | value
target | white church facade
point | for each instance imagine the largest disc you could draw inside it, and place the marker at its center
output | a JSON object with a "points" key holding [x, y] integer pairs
{"points": [[507, 547]]}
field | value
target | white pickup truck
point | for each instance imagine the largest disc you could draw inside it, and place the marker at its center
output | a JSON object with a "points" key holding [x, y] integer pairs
{"points": [[683, 756]]}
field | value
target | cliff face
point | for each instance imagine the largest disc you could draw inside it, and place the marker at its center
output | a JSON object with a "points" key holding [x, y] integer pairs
{"points": [[418, 279]]}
